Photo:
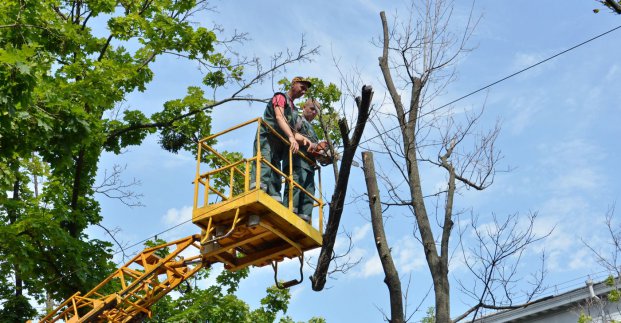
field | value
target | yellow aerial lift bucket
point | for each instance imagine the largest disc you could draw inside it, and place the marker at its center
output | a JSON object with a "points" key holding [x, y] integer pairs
{"points": [[243, 226]]}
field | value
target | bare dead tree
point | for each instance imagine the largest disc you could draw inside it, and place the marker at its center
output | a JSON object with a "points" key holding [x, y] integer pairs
{"points": [[350, 144], [417, 63], [391, 278], [610, 257], [607, 255], [492, 260]]}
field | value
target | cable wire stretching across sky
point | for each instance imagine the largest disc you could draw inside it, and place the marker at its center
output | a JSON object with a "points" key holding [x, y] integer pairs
{"points": [[442, 106], [503, 79]]}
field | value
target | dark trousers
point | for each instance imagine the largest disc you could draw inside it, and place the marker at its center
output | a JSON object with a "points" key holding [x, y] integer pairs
{"points": [[305, 176], [273, 150]]}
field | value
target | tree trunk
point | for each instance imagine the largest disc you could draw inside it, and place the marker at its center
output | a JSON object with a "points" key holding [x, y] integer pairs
{"points": [[391, 278], [318, 278], [442, 294], [436, 262], [72, 226], [12, 215]]}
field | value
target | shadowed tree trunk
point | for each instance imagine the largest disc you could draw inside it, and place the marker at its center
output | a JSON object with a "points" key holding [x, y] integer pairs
{"points": [[318, 279], [391, 278]]}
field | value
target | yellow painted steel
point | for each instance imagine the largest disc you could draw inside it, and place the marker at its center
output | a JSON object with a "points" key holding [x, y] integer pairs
{"points": [[240, 226], [128, 293], [243, 226]]}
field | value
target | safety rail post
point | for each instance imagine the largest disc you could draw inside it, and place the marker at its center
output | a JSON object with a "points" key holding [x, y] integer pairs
{"points": [[257, 173], [320, 203], [290, 181], [232, 183], [207, 188], [198, 174], [247, 175]]}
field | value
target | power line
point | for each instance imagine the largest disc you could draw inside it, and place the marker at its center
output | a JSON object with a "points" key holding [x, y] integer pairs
{"points": [[443, 106], [384, 132], [503, 79]]}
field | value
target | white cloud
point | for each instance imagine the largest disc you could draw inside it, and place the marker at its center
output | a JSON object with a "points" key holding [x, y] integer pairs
{"points": [[524, 60], [176, 216], [573, 152], [612, 73], [296, 293], [578, 179], [230, 144], [361, 232], [409, 255], [581, 259], [358, 234], [371, 267], [524, 111], [573, 166], [572, 219], [176, 160]]}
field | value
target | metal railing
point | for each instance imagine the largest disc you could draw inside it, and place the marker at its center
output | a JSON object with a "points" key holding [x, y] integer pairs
{"points": [[231, 178]]}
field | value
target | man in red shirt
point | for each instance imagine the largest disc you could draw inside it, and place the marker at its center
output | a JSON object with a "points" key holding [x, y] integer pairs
{"points": [[281, 115]]}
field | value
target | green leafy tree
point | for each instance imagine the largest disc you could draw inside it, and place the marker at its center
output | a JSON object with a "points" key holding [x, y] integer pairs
{"points": [[583, 318], [218, 303], [62, 80], [288, 319], [430, 316]]}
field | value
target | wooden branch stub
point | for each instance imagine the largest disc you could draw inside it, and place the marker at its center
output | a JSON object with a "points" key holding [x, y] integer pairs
{"points": [[344, 132]]}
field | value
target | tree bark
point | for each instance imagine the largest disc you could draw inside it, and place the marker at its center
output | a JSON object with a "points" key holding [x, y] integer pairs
{"points": [[19, 284], [614, 5], [391, 278], [72, 226], [318, 278], [407, 122]]}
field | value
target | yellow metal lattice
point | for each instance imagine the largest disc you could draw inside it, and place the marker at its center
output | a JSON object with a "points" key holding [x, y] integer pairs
{"points": [[240, 227], [132, 289]]}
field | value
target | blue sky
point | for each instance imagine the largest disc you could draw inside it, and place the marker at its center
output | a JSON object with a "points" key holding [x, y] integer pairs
{"points": [[559, 130]]}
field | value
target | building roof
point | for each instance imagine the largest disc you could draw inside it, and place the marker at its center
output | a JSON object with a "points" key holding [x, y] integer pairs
{"points": [[548, 305]]}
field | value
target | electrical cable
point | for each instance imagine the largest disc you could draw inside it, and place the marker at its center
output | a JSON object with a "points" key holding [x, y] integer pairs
{"points": [[382, 133], [502, 79]]}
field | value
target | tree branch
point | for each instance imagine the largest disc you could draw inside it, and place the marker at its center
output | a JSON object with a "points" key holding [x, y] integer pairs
{"points": [[318, 279], [614, 5]]}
